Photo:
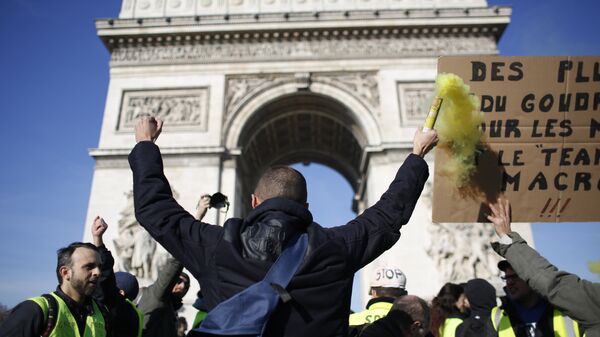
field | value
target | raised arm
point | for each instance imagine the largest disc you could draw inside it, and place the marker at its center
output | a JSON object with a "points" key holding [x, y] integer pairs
{"points": [[577, 298], [107, 293], [187, 239], [163, 285], [378, 227]]}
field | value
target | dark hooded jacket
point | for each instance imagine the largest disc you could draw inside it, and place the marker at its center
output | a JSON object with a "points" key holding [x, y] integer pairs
{"points": [[482, 298], [228, 259]]}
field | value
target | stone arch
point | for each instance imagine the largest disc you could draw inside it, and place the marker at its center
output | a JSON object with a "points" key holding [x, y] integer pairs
{"points": [[300, 126], [358, 110]]}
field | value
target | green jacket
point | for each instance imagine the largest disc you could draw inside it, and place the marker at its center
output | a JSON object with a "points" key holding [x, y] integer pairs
{"points": [[576, 298]]}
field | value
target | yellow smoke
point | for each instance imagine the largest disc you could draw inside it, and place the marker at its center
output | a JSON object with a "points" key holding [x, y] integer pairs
{"points": [[458, 127]]}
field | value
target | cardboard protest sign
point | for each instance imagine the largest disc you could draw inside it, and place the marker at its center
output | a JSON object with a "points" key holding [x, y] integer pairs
{"points": [[542, 140]]}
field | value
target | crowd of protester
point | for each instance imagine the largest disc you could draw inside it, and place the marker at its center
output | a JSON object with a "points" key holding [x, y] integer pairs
{"points": [[249, 287]]}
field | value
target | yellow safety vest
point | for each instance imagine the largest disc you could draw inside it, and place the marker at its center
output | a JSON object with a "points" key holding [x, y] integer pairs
{"points": [[66, 325], [140, 317], [448, 328], [374, 312], [563, 325]]}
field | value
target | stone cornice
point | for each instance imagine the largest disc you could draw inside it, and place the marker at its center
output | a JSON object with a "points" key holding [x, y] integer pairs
{"points": [[122, 152], [118, 33]]}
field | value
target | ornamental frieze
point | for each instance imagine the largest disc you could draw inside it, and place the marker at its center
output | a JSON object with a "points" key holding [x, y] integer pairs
{"points": [[300, 48], [180, 108], [243, 87], [360, 84]]}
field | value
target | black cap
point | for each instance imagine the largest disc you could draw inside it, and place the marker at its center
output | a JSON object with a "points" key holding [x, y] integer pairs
{"points": [[502, 265], [481, 295], [128, 283]]}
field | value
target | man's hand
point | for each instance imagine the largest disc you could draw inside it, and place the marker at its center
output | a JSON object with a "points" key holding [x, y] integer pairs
{"points": [[424, 141], [203, 205], [148, 128], [500, 216], [98, 229]]}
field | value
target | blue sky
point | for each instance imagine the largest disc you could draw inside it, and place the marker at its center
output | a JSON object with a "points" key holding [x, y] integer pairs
{"points": [[54, 79]]}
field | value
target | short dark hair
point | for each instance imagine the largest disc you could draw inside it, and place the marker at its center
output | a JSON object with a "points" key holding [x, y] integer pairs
{"points": [[389, 292], [64, 256], [447, 297], [281, 181], [416, 307]]}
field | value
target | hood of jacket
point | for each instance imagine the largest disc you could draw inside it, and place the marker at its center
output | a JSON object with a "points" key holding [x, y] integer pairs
{"points": [[270, 225]]}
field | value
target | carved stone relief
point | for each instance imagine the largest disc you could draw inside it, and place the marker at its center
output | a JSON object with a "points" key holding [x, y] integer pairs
{"points": [[460, 252], [463, 251], [240, 88], [332, 46], [414, 100], [181, 108], [138, 252], [362, 85]]}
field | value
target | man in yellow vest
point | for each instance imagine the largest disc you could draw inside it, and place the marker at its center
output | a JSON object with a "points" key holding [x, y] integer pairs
{"points": [[387, 284], [524, 313], [75, 313], [536, 275]]}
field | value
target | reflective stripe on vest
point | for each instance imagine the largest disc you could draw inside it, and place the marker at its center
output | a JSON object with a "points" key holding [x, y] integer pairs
{"points": [[66, 325], [566, 324], [563, 326], [374, 312], [448, 328], [140, 315]]}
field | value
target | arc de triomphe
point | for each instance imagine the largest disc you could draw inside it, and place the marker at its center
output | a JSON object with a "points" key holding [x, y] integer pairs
{"points": [[245, 84]]}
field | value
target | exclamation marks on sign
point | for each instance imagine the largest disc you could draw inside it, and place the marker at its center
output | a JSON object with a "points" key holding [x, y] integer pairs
{"points": [[554, 207]]}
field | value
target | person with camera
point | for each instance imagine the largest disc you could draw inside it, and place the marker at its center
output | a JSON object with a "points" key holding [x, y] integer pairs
{"points": [[230, 260]]}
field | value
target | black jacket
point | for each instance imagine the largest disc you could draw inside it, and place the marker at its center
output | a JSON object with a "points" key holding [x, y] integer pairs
{"points": [[155, 301], [482, 298], [123, 317], [228, 259]]}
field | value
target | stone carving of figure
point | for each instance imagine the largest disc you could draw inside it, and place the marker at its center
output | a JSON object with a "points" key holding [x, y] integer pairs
{"points": [[159, 259], [125, 242], [462, 251], [143, 251], [178, 108], [137, 251]]}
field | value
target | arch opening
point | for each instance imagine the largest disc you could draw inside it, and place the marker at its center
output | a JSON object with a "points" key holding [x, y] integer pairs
{"points": [[301, 127]]}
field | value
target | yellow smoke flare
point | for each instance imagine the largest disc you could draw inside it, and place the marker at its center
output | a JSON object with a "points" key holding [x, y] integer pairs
{"points": [[458, 127]]}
